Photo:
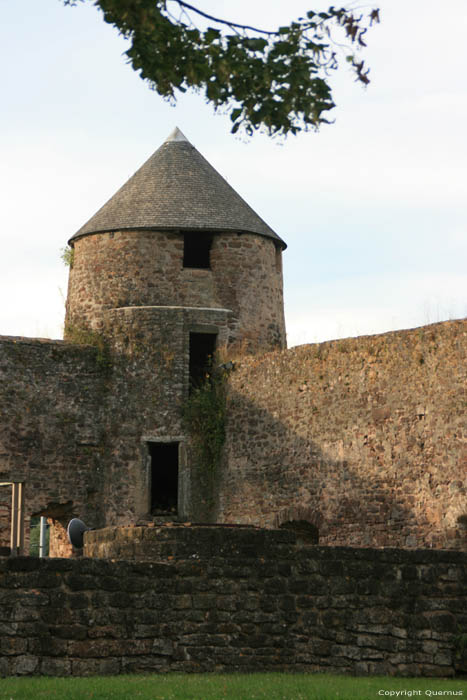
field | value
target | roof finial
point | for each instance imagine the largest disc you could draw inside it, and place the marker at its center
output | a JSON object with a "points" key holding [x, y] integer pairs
{"points": [[176, 135]]}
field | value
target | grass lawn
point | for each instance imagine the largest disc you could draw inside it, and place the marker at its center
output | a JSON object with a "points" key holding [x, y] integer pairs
{"points": [[273, 686]]}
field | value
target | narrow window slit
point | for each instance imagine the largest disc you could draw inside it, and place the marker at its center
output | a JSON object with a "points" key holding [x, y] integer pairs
{"points": [[202, 349]]}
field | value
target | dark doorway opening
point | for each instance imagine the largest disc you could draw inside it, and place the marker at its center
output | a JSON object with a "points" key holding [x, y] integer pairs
{"points": [[197, 250], [164, 477], [306, 532], [202, 348]]}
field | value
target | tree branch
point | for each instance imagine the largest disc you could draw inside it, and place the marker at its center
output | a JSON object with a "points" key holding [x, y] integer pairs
{"points": [[223, 21], [276, 81]]}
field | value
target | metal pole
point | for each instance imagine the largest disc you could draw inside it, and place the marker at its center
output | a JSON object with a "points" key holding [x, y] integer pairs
{"points": [[14, 520], [17, 519], [42, 533], [20, 541]]}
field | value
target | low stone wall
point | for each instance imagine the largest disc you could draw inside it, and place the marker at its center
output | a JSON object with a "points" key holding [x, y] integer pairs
{"points": [[355, 611], [186, 541]]}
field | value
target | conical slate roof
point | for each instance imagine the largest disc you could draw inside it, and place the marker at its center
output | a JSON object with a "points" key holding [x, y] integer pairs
{"points": [[177, 188]]}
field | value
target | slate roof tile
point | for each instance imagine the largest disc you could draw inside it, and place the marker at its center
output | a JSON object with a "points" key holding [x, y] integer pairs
{"points": [[177, 188]]}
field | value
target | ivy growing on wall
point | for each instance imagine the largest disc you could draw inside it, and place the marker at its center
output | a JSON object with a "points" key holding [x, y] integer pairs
{"points": [[204, 414]]}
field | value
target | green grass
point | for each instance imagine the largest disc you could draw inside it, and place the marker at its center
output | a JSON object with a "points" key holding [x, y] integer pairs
{"points": [[270, 686]]}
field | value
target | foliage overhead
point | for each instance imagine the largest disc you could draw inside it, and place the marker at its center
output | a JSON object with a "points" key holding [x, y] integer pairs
{"points": [[277, 80]]}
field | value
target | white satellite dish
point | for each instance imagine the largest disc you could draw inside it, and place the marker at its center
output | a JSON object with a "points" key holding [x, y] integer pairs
{"points": [[75, 531]]}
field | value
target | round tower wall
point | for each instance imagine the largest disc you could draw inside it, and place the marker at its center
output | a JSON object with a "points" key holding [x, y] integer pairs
{"points": [[145, 268]]}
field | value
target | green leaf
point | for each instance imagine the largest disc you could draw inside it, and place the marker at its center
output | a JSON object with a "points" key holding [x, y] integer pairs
{"points": [[211, 34], [236, 113], [255, 44]]}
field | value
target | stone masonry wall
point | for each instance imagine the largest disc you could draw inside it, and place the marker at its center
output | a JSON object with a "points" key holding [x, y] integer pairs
{"points": [[259, 604], [5, 515], [365, 438], [168, 541], [51, 426], [145, 268], [149, 385], [76, 419]]}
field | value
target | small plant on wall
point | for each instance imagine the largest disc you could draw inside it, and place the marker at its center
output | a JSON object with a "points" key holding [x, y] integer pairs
{"points": [[87, 336], [67, 255]]}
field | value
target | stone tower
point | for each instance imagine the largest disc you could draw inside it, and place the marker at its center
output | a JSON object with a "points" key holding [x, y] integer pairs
{"points": [[176, 235], [173, 267]]}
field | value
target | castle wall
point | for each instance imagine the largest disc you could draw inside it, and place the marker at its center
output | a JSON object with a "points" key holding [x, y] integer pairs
{"points": [[364, 437], [145, 268], [51, 426], [257, 603], [150, 353], [76, 420]]}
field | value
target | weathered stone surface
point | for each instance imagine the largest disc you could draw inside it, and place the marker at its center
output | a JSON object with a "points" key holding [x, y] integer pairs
{"points": [[228, 617], [303, 442], [364, 438], [50, 394], [145, 269], [187, 542]]}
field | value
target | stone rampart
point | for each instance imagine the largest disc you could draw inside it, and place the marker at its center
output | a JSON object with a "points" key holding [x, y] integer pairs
{"points": [[262, 604], [52, 427], [365, 438]]}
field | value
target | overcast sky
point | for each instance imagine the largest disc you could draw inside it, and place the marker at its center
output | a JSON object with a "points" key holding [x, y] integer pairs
{"points": [[373, 208]]}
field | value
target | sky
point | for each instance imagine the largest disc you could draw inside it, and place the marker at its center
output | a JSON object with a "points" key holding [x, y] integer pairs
{"points": [[373, 207]]}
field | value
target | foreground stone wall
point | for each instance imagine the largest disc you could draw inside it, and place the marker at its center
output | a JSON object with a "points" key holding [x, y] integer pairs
{"points": [[259, 604], [365, 438]]}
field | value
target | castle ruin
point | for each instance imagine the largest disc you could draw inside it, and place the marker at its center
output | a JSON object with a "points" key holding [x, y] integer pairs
{"points": [[356, 442]]}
